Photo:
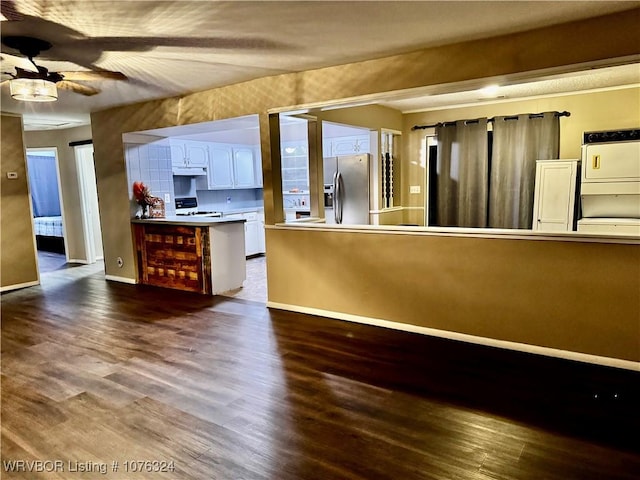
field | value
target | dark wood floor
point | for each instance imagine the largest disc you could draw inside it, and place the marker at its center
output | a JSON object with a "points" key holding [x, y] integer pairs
{"points": [[95, 371]]}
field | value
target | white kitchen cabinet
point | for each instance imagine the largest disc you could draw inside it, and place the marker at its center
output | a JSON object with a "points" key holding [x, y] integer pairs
{"points": [[251, 237], [257, 155], [254, 241], [349, 145], [221, 167], [232, 166], [244, 167], [262, 247], [554, 200], [189, 154]]}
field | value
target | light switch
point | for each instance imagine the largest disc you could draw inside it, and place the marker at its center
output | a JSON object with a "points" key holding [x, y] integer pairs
{"points": [[12, 175], [167, 198]]}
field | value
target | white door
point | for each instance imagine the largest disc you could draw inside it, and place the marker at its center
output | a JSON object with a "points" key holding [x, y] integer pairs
{"points": [[89, 203]]}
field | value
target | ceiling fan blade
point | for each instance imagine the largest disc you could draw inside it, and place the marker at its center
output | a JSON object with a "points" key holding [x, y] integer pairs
{"points": [[141, 44], [93, 75], [20, 62], [77, 88], [9, 11]]}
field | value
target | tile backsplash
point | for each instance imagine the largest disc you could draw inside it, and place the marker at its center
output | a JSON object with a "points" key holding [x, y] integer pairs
{"points": [[221, 200], [150, 164]]}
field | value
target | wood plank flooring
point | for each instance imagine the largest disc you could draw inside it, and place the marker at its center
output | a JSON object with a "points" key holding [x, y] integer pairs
{"points": [[96, 372]]}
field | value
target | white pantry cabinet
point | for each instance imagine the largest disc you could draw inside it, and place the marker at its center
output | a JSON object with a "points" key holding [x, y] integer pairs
{"points": [[554, 200]]}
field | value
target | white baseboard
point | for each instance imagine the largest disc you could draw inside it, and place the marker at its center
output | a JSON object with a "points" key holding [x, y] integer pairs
{"points": [[463, 337], [17, 286], [78, 260], [114, 278]]}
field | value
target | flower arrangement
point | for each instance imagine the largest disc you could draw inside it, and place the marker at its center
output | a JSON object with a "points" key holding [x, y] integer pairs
{"points": [[143, 197]]}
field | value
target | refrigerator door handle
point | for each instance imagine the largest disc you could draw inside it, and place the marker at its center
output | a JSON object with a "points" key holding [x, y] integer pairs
{"points": [[340, 196]]}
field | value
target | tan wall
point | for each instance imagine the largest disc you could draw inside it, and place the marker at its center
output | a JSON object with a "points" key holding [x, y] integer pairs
{"points": [[17, 242], [606, 110], [591, 40], [580, 297], [69, 189]]}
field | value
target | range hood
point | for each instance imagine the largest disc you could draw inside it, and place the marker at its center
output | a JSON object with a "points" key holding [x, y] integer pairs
{"points": [[189, 172]]}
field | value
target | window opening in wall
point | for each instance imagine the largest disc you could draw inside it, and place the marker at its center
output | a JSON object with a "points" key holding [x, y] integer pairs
{"points": [[478, 178]]}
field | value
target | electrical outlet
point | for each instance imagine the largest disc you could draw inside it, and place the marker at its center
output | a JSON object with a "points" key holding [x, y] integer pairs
{"points": [[167, 198], [414, 189]]}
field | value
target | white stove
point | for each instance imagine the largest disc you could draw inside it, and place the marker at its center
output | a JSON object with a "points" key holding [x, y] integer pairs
{"points": [[188, 206]]}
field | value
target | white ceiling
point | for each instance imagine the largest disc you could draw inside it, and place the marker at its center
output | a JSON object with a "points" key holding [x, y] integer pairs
{"points": [[168, 48]]}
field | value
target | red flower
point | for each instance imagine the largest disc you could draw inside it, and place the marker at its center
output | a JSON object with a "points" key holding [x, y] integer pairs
{"points": [[141, 193]]}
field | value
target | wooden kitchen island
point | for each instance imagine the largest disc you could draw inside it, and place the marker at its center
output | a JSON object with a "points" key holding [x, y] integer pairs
{"points": [[198, 254]]}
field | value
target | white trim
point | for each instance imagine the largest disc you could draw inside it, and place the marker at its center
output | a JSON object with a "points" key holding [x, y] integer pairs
{"points": [[385, 210], [115, 278], [493, 233], [19, 285], [78, 260], [463, 337]]}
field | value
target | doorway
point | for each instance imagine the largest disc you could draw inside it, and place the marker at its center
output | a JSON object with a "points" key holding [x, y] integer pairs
{"points": [[46, 206]]}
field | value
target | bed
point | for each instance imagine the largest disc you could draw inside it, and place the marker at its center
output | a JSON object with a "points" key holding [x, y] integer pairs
{"points": [[49, 234]]}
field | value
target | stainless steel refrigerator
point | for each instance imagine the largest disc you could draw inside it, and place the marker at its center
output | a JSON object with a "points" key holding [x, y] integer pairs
{"points": [[349, 180]]}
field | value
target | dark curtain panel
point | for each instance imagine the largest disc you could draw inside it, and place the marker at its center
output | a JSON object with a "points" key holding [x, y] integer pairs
{"points": [[462, 174], [43, 183], [517, 144]]}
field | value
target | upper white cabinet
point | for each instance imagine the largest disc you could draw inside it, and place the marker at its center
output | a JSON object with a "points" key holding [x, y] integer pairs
{"points": [[554, 201], [221, 167], [244, 167], [233, 166], [349, 145], [189, 154]]}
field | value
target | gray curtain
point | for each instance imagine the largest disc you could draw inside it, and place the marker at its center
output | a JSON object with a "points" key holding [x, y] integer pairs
{"points": [[43, 184], [517, 144], [462, 174]]}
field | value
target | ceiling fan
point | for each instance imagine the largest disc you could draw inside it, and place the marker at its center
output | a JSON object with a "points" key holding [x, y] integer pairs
{"points": [[30, 72]]}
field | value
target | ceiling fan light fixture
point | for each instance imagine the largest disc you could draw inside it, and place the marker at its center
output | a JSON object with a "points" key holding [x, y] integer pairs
{"points": [[33, 90]]}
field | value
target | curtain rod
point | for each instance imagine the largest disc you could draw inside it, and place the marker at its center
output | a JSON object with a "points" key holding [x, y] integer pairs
{"points": [[80, 142], [512, 117]]}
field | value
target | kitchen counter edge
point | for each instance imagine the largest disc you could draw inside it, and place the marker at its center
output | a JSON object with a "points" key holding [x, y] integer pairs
{"points": [[190, 221]]}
